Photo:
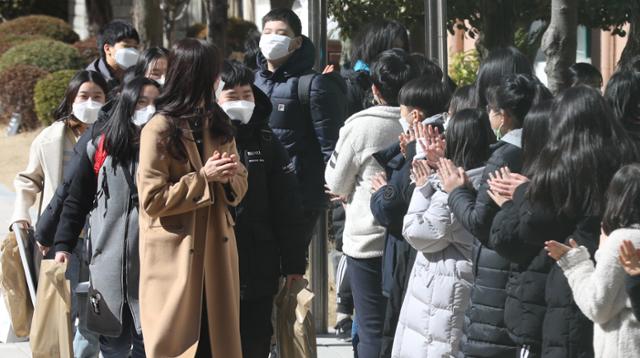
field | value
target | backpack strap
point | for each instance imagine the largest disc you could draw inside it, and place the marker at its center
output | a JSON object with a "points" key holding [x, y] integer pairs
{"points": [[304, 90], [133, 189]]}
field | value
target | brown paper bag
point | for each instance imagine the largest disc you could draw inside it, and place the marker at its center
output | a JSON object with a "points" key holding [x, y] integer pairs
{"points": [[14, 285], [51, 326], [295, 330]]}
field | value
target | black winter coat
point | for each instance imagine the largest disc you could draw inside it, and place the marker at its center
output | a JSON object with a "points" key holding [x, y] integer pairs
{"points": [[48, 222], [486, 334], [389, 206], [101, 66], [359, 95], [269, 218], [309, 138], [554, 324], [632, 284]]}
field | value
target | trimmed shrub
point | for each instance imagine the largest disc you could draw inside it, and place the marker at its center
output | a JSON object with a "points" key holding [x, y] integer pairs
{"points": [[48, 94], [42, 25], [7, 41], [16, 94], [88, 50], [49, 55]]}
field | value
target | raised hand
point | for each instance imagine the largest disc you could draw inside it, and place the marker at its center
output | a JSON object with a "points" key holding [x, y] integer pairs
{"points": [[420, 171], [450, 176], [556, 250], [378, 181], [220, 167], [630, 258], [431, 142]]}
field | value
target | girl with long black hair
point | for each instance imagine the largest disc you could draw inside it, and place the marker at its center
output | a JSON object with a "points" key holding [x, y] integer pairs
{"points": [[565, 198], [104, 186], [189, 176]]}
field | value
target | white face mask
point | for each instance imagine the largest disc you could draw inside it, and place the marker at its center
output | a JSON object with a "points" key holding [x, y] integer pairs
{"points": [[161, 81], [274, 46], [405, 124], [87, 111], [127, 57], [142, 116], [218, 91], [239, 110]]}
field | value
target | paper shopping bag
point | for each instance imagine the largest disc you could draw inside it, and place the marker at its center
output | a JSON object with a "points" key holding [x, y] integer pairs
{"points": [[14, 285], [51, 326], [295, 330]]}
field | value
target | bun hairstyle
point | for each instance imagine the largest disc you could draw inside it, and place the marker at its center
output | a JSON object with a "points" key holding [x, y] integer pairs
{"points": [[516, 94], [500, 63]]}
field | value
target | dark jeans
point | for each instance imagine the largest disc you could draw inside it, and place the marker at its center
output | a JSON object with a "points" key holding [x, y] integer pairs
{"points": [[119, 347], [370, 304], [255, 327]]}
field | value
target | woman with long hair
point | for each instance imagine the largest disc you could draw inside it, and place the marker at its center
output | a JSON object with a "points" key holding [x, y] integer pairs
{"points": [[50, 159], [104, 187], [188, 177]]}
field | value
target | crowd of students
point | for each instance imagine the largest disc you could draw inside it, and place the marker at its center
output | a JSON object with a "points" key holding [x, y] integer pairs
{"points": [[182, 187]]}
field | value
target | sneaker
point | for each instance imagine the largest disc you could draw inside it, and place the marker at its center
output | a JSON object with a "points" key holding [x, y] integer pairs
{"points": [[343, 329]]}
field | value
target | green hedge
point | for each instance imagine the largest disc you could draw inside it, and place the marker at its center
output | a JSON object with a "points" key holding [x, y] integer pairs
{"points": [[49, 55], [463, 67], [48, 94], [7, 41], [40, 25]]}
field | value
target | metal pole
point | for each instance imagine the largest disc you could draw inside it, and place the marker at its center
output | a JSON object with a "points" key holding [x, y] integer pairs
{"points": [[318, 254], [319, 274], [318, 30], [435, 17]]}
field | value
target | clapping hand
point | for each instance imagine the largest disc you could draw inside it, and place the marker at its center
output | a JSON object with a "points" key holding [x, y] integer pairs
{"points": [[630, 258], [420, 171], [431, 142], [220, 167], [405, 139], [450, 176], [504, 183], [557, 250], [378, 181]]}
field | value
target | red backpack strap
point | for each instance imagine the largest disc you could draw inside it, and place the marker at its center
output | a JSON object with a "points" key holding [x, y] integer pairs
{"points": [[100, 156]]}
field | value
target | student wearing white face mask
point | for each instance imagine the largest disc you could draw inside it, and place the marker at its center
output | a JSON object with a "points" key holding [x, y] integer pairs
{"points": [[153, 64], [308, 108], [105, 176], [269, 218], [49, 159], [118, 43]]}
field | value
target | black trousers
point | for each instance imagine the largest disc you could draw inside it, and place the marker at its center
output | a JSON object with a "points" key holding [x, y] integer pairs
{"points": [[370, 304], [255, 327]]}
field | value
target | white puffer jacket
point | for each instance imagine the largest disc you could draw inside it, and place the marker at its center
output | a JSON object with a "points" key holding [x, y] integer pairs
{"points": [[432, 316]]}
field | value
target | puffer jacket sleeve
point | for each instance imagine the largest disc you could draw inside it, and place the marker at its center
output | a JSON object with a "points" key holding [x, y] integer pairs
{"points": [[77, 205], [505, 238], [632, 284], [328, 110], [287, 215], [342, 171], [598, 291], [428, 220]]}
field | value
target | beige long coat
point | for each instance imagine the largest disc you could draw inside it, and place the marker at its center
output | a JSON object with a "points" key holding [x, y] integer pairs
{"points": [[187, 243]]}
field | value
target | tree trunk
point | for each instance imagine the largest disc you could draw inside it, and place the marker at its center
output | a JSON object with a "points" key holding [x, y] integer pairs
{"points": [[99, 13], [632, 48], [147, 19], [217, 22], [498, 25], [172, 11], [560, 43], [277, 4]]}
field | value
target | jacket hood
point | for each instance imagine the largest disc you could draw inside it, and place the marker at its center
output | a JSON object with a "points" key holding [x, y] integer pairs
{"points": [[300, 62], [386, 112], [261, 112]]}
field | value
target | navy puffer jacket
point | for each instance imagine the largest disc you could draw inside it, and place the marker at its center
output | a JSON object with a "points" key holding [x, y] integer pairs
{"points": [[308, 137]]}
